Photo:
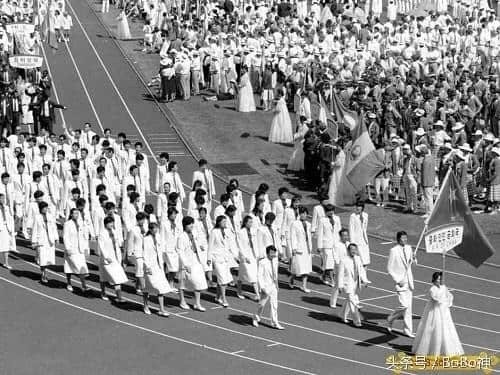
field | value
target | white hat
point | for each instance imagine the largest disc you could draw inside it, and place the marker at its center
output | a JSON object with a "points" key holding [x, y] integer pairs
{"points": [[478, 132], [496, 150], [439, 123], [420, 131], [372, 115], [465, 147], [489, 137], [406, 147], [419, 112], [496, 141], [458, 126], [447, 145]]}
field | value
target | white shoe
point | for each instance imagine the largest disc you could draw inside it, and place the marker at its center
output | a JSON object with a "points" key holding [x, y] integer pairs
{"points": [[69, 287], [147, 311], [409, 334], [257, 318], [240, 296], [278, 326], [255, 322], [200, 308], [7, 266], [184, 306], [104, 297]]}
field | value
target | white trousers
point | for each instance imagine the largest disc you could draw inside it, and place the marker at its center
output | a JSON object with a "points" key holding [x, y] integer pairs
{"points": [[351, 307], [273, 303], [404, 309]]}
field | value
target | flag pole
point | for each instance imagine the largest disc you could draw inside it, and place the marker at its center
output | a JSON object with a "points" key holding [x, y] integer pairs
{"points": [[444, 267], [420, 240]]}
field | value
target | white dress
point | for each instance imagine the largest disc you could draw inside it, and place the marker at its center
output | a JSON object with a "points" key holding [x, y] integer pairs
{"points": [[246, 101], [192, 276], [296, 162], [248, 251], [336, 178], [7, 239], [300, 242], [111, 272], [436, 333], [220, 255], [43, 238], [123, 30], [75, 248], [154, 275], [281, 125]]}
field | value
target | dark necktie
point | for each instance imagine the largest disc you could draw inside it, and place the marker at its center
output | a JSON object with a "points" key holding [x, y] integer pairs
{"points": [[304, 223], [272, 233], [113, 240], [249, 233], [205, 226], [47, 229]]}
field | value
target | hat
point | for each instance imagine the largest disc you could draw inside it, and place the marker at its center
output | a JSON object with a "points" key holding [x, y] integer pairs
{"points": [[489, 137], [496, 141], [420, 131], [447, 145], [372, 115], [478, 132], [496, 150], [439, 123], [406, 147], [458, 126], [465, 147], [419, 112]]}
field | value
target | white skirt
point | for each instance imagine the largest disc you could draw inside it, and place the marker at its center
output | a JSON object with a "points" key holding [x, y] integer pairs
{"points": [[327, 259], [46, 255], [296, 162], [194, 280], [157, 283], [248, 271], [223, 272], [301, 264], [364, 254], [6, 243], [75, 264], [112, 273], [171, 261]]}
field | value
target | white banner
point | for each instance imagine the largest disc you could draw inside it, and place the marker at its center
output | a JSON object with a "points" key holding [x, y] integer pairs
{"points": [[25, 61], [20, 28], [444, 239]]}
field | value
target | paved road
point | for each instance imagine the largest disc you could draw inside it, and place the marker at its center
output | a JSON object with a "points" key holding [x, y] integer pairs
{"points": [[47, 329]]}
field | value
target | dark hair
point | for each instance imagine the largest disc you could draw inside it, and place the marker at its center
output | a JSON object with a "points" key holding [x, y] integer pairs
{"points": [[197, 183], [75, 191], [42, 205], [149, 209], [140, 216], [245, 220], [329, 207], [270, 248], [187, 220], [264, 187], [270, 217], [202, 162], [108, 219], [172, 210], [360, 204], [343, 230], [303, 210], [400, 234], [436, 275], [219, 220], [225, 197], [230, 208], [109, 206], [134, 196], [282, 190]]}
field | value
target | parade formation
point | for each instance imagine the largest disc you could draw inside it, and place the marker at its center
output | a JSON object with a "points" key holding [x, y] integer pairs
{"points": [[385, 104]]}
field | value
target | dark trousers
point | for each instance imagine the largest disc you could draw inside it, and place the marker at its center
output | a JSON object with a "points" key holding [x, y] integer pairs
{"points": [[311, 167]]}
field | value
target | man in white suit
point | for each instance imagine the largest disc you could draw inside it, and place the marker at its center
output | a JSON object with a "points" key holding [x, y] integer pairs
{"points": [[351, 278], [339, 251], [327, 236], [205, 175], [279, 206], [268, 235], [399, 265], [358, 226], [268, 284]]}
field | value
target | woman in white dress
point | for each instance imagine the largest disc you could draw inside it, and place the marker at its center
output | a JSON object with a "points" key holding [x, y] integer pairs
{"points": [[290, 214], [296, 162], [156, 282], [281, 125], [75, 246], [7, 235], [335, 178], [248, 254], [236, 196], [162, 202], [123, 30], [202, 228], [192, 274], [436, 333], [245, 101], [44, 237], [301, 246], [23, 89], [220, 256], [110, 259]]}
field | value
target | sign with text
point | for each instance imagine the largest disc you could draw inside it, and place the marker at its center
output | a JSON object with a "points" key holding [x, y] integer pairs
{"points": [[445, 238], [25, 61], [20, 28]]}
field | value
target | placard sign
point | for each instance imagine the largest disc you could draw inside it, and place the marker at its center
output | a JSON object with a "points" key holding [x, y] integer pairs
{"points": [[443, 239], [20, 28], [25, 61]]}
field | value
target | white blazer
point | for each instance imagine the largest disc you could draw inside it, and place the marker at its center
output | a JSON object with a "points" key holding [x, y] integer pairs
{"points": [[74, 240], [207, 181], [161, 171], [327, 235], [268, 275], [106, 249], [244, 246], [351, 274], [218, 249], [265, 239], [135, 242], [298, 241], [175, 182], [318, 213], [279, 211], [44, 236], [399, 267], [357, 230]]}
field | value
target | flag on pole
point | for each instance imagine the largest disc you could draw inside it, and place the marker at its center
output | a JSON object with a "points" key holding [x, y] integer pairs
{"points": [[345, 116], [327, 117], [362, 163], [451, 207]]}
